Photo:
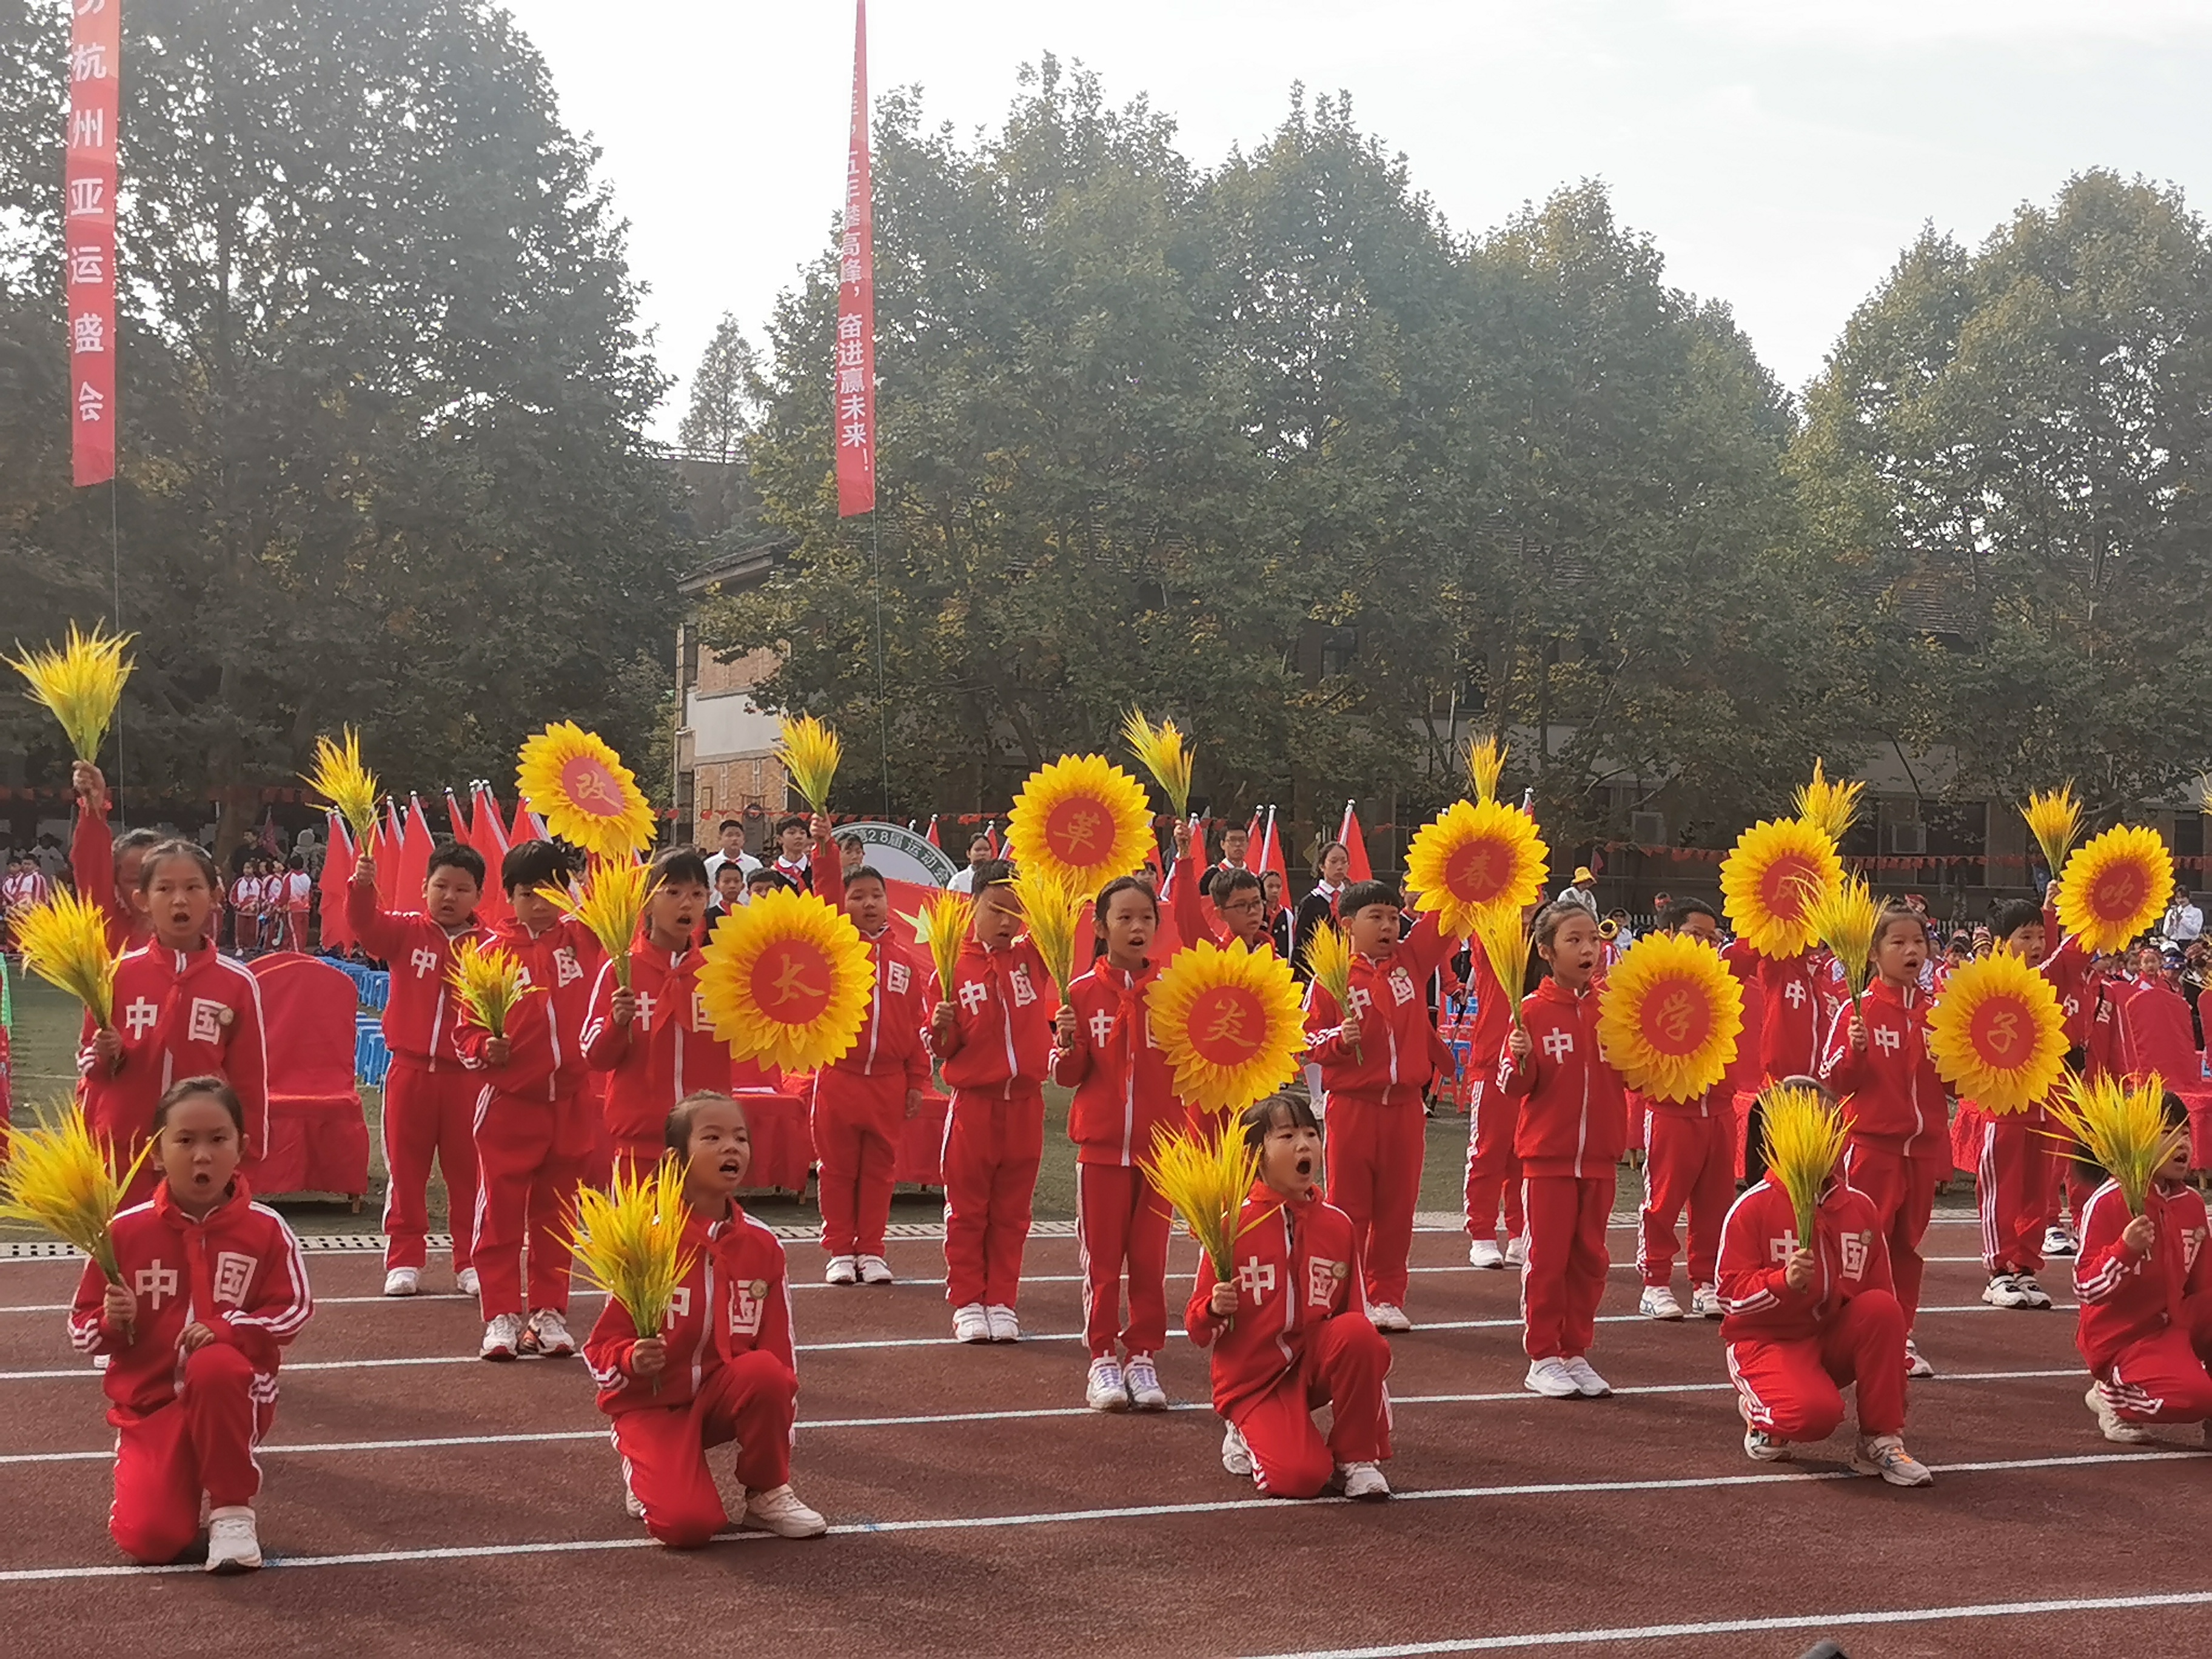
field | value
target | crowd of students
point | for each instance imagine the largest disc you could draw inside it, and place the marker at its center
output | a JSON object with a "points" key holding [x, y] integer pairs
{"points": [[596, 1072]]}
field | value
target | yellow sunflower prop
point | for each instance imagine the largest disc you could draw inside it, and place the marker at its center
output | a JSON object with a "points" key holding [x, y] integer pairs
{"points": [[1770, 879], [1830, 808], [787, 980], [81, 683], [2054, 818], [1996, 1035], [350, 787], [1162, 751], [810, 751], [586, 796], [1082, 819], [1230, 1022], [1472, 855], [2116, 887], [1486, 764], [1670, 1016]]}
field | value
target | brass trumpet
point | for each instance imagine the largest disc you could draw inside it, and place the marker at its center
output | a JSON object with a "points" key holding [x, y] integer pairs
{"points": [[1608, 929]]}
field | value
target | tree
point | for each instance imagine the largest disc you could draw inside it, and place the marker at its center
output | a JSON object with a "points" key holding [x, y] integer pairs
{"points": [[383, 393], [722, 393]]}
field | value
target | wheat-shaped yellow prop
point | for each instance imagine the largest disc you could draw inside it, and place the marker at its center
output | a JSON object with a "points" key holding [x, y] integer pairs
{"points": [[1206, 1175], [941, 925], [1229, 1022], [1804, 1137], [810, 752], [1057, 917], [2054, 818], [61, 1177], [2116, 887], [1830, 808], [1329, 964], [350, 787], [1503, 937], [1486, 764], [82, 683], [610, 901], [489, 983], [576, 782], [627, 1241], [1162, 751], [2122, 1124], [1844, 918], [64, 942]]}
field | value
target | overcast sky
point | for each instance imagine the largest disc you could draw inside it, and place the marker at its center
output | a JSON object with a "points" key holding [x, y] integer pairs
{"points": [[1781, 151]]}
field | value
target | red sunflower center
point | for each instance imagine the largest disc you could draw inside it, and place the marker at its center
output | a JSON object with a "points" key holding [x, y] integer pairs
{"points": [[1788, 885], [1227, 1024], [1079, 831], [2001, 1033], [590, 785], [1676, 1016], [792, 980], [2120, 892], [1479, 870]]}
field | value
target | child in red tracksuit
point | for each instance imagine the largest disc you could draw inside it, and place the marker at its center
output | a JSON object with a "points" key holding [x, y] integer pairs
{"points": [[105, 867], [212, 1287], [1900, 1147], [1805, 1318], [533, 1121], [721, 1368], [182, 1009], [1573, 1130], [1234, 908], [1376, 1063], [1689, 1157], [651, 1039], [863, 1098], [429, 1095], [1288, 1328], [2144, 1284], [994, 1037], [1493, 1168], [1792, 1021], [1124, 1094]]}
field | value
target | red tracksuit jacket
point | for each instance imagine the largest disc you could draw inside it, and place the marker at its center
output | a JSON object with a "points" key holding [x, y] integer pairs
{"points": [[546, 1032], [1791, 1023], [1892, 1098], [92, 867], [422, 1021], [2066, 968], [1124, 1089], [1399, 1049], [1297, 1264], [1756, 1241], [734, 1300], [1003, 1006], [1574, 1110], [238, 1271], [180, 1014], [2126, 1297], [668, 1048]]}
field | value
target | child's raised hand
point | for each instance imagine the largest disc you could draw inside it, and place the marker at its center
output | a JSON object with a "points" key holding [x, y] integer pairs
{"points": [[1065, 1031], [622, 1006], [1518, 1045], [1224, 1301], [649, 1358], [364, 871], [2140, 1235], [1858, 1033], [118, 1308], [1798, 1273], [90, 784], [196, 1336], [1182, 841]]}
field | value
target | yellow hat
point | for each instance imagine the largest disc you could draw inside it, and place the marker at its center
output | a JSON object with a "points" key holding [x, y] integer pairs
{"points": [[1583, 874]]}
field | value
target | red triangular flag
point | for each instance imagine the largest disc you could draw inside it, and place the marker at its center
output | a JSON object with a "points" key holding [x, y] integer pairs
{"points": [[931, 836], [1271, 854], [489, 838], [457, 816], [991, 828], [526, 825], [387, 853], [1355, 845], [337, 871], [415, 848]]}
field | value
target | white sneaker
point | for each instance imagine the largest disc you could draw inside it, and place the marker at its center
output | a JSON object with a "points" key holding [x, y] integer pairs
{"points": [[503, 1338], [633, 1503], [971, 1324], [1485, 1253], [1389, 1316], [874, 1270], [842, 1270], [1658, 1303], [1004, 1327], [2004, 1291], [2036, 1295], [779, 1511], [1914, 1364], [1146, 1393], [1236, 1455], [1588, 1382], [548, 1336], [1364, 1482], [467, 1283], [1761, 1447], [1885, 1455], [1705, 1302], [1551, 1379], [1107, 1389], [233, 1544], [1516, 1250], [2059, 1240], [403, 1281], [2110, 1424]]}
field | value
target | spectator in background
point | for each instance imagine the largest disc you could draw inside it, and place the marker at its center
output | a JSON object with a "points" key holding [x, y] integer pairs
{"points": [[1582, 890], [52, 861], [979, 854], [732, 850], [2185, 921], [852, 854]]}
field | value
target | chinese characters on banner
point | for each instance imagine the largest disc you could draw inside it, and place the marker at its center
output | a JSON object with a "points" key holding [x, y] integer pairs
{"points": [[89, 233], [855, 424]]}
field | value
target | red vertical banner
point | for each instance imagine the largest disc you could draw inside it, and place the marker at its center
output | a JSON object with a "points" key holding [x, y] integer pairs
{"points": [[88, 233], [856, 402]]}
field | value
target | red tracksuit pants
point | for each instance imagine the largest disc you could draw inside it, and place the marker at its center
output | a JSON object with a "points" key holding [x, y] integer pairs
{"points": [[1374, 1153], [530, 1158], [1345, 1362], [2012, 1187], [1493, 1169], [857, 1120], [202, 1441], [993, 1146], [1687, 1162], [427, 1113], [1793, 1390], [751, 1399], [1122, 1223], [1564, 1279], [2164, 1378], [1903, 1192]]}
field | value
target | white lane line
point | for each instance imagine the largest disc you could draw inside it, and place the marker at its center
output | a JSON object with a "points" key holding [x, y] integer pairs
{"points": [[87, 1373], [1503, 1396], [1131, 1512], [1809, 1621]]}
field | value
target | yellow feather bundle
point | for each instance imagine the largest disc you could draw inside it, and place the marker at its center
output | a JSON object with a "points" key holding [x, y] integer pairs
{"points": [[2054, 818], [942, 925], [2124, 1127], [1328, 962], [1162, 751], [810, 751], [1486, 764], [629, 1241], [61, 1177], [64, 942], [1830, 808], [82, 683], [611, 902], [1058, 917], [1804, 1139], [489, 983], [1503, 937], [340, 779], [1205, 1174], [1844, 917]]}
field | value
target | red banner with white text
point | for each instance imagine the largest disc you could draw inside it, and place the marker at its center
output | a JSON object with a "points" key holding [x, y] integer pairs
{"points": [[89, 233], [855, 404]]}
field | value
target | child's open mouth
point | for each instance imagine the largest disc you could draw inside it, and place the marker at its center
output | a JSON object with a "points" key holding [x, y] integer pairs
{"points": [[732, 1167], [1305, 1165]]}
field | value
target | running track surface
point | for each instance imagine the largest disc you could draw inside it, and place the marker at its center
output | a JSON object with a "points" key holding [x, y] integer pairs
{"points": [[981, 1512]]}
